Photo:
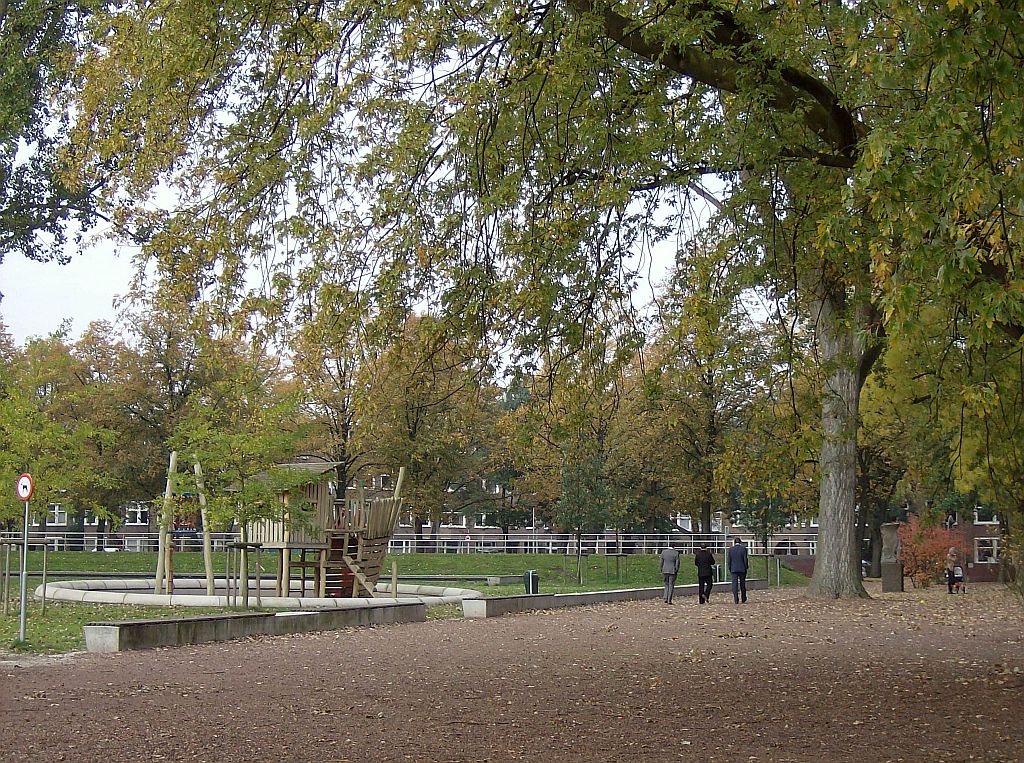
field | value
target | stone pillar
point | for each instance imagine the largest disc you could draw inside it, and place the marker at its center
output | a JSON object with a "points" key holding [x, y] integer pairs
{"points": [[892, 569]]}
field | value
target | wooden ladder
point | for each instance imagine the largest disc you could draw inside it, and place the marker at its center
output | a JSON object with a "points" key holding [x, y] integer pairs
{"points": [[343, 573]]}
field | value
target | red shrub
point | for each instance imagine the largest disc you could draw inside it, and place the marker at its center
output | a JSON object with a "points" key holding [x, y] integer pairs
{"points": [[923, 550]]}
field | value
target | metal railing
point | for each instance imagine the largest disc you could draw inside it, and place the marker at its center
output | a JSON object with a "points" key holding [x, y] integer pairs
{"points": [[473, 541], [59, 540], [524, 542]]}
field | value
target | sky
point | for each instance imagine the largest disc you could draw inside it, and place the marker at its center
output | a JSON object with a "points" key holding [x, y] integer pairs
{"points": [[39, 295]]}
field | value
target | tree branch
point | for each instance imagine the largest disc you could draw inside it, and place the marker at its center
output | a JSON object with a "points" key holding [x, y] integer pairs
{"points": [[792, 90]]}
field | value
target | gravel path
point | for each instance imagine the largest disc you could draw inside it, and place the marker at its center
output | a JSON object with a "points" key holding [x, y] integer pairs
{"points": [[920, 676]]}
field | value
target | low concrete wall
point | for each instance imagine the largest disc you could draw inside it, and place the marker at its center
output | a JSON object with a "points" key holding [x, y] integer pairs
{"points": [[192, 593], [495, 606], [147, 634]]}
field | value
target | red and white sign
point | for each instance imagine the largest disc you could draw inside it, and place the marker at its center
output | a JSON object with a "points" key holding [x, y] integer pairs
{"points": [[25, 487]]}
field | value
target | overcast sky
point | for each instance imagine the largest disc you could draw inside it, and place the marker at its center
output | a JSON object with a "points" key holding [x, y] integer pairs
{"points": [[39, 295]]}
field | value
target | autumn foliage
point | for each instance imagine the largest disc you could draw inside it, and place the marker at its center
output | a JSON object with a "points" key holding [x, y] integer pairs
{"points": [[923, 550]]}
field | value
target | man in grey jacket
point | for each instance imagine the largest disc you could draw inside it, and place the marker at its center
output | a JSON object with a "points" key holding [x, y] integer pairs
{"points": [[669, 570]]}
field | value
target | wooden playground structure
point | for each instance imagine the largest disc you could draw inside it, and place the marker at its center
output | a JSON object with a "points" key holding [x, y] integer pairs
{"points": [[338, 544]]}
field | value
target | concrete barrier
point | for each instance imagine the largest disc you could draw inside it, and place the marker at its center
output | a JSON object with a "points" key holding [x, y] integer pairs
{"points": [[179, 631], [496, 606], [191, 592]]}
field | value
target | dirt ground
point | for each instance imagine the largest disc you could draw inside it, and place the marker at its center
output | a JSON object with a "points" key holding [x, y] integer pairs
{"points": [[920, 676]]}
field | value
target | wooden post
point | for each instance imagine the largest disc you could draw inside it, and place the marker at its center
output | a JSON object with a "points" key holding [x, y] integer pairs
{"points": [[45, 544], [394, 579], [169, 564], [229, 574], [282, 562], [398, 484], [7, 577], [286, 571], [321, 587], [165, 515], [359, 560], [259, 580], [207, 537], [243, 565]]}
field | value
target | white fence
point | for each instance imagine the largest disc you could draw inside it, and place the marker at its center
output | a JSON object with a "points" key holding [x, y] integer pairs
{"points": [[476, 541], [58, 540]]}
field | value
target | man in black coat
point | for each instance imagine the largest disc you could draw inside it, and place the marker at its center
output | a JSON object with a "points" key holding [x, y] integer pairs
{"points": [[705, 562], [738, 566]]}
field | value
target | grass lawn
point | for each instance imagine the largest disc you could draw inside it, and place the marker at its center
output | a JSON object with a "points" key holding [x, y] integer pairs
{"points": [[60, 628]]}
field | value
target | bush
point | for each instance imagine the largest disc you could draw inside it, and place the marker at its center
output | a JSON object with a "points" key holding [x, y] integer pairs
{"points": [[923, 550]]}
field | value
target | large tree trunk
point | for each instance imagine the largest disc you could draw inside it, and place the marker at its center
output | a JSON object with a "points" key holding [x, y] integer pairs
{"points": [[705, 514], [419, 545], [836, 565], [876, 549]]}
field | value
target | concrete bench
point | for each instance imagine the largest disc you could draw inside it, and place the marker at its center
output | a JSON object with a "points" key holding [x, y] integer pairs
{"points": [[127, 635], [495, 606]]}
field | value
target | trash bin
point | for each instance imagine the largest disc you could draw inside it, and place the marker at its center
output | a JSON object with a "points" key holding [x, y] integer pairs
{"points": [[531, 580]]}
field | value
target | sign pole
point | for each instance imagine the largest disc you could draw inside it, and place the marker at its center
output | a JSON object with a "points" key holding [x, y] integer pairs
{"points": [[24, 577], [25, 486]]}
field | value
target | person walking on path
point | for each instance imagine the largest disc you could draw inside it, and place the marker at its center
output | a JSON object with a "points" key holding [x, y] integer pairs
{"points": [[738, 566], [669, 570], [705, 562]]}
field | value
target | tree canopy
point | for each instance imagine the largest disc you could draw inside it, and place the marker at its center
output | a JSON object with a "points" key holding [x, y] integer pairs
{"points": [[508, 168]]}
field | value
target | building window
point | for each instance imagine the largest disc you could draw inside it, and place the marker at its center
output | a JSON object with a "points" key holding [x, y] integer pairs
{"points": [[137, 514], [684, 521], [453, 519], [985, 516], [91, 520], [385, 482], [58, 515], [986, 550]]}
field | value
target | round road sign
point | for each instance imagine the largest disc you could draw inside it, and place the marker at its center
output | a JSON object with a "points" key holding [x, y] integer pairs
{"points": [[25, 487]]}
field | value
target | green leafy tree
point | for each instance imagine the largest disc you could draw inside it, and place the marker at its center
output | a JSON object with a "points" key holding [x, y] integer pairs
{"points": [[238, 428], [39, 206], [328, 347], [508, 163], [421, 404], [46, 428], [763, 516]]}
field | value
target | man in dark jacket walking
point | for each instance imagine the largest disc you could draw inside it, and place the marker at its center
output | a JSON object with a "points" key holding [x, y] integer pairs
{"points": [[738, 566], [705, 562], [669, 570]]}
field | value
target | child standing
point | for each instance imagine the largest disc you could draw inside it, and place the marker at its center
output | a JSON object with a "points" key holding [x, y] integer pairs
{"points": [[952, 563], [959, 584]]}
